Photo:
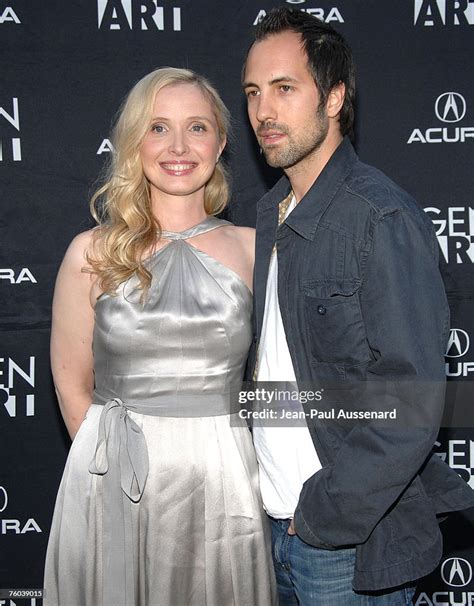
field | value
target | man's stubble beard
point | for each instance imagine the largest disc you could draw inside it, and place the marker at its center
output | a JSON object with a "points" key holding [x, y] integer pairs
{"points": [[295, 151]]}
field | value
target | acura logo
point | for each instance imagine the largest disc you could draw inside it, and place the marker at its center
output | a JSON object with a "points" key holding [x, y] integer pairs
{"points": [[450, 107], [456, 572], [3, 499], [458, 343]]}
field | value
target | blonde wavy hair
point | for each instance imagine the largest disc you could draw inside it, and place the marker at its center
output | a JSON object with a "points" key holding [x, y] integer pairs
{"points": [[127, 229]]}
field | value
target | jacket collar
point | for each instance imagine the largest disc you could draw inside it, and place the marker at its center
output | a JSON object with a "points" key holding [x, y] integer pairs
{"points": [[305, 217]]}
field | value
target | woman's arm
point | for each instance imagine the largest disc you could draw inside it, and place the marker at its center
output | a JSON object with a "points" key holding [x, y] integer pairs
{"points": [[248, 239], [71, 335]]}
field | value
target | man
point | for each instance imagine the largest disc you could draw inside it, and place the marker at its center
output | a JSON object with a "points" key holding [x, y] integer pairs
{"points": [[347, 288]]}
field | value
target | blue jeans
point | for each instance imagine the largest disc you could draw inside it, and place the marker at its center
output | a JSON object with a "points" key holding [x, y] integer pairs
{"points": [[308, 576]]}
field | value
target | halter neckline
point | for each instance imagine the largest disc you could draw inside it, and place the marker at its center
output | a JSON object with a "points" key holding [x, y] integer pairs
{"points": [[208, 224]]}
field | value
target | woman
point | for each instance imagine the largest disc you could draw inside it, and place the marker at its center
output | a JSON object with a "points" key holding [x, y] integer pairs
{"points": [[151, 323]]}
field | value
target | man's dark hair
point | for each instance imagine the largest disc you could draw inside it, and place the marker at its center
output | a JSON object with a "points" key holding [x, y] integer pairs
{"points": [[329, 56]]}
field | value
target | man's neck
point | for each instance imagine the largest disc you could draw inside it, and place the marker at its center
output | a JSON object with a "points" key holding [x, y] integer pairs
{"points": [[304, 174]]}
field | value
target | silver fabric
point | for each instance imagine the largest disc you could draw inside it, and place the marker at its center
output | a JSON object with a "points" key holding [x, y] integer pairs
{"points": [[159, 499]]}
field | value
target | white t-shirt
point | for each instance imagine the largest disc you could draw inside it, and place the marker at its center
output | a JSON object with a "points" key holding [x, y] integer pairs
{"points": [[286, 455]]}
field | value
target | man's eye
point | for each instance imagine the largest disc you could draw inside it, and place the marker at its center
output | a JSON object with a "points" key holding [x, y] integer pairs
{"points": [[252, 93], [285, 88], [198, 128]]}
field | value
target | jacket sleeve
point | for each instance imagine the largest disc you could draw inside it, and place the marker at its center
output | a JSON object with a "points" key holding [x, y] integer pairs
{"points": [[406, 317]]}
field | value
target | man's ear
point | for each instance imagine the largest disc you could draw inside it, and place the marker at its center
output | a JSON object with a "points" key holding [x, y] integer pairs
{"points": [[335, 100]]}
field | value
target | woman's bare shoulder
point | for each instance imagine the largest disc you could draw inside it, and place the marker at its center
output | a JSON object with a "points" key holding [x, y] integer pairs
{"points": [[244, 235], [80, 246]]}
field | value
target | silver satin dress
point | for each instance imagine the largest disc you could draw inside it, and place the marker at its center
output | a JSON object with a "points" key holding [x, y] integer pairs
{"points": [[159, 502]]}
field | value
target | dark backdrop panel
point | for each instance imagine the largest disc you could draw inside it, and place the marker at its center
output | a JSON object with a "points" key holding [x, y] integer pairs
{"points": [[65, 68]]}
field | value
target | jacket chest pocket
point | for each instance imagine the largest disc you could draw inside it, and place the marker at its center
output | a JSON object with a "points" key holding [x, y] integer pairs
{"points": [[334, 324]]}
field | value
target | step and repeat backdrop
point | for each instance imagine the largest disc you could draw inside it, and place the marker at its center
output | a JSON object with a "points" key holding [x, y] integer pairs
{"points": [[64, 70]]}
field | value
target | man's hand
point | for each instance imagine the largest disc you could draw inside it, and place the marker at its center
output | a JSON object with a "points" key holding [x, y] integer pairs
{"points": [[291, 527]]}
